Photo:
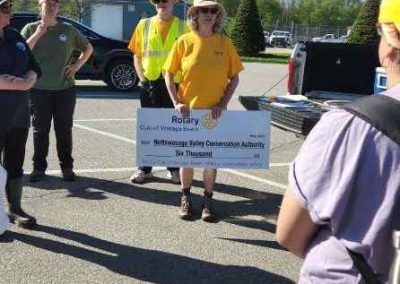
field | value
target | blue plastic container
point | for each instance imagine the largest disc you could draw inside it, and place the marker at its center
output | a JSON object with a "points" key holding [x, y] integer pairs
{"points": [[380, 81]]}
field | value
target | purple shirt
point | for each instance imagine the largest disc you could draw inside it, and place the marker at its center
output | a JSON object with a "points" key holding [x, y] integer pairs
{"points": [[347, 175]]}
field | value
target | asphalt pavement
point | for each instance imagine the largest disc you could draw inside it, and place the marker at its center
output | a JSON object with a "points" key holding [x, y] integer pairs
{"points": [[104, 229]]}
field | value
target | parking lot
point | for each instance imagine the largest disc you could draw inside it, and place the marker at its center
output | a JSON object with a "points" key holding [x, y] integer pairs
{"points": [[103, 229]]}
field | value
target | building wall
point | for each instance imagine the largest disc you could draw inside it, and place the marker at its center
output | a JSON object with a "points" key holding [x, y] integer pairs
{"points": [[133, 11]]}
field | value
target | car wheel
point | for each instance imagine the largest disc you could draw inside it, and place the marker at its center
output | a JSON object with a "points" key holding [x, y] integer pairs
{"points": [[121, 75]]}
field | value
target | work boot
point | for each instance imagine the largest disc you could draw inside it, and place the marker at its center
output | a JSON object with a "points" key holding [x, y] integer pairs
{"points": [[68, 175], [37, 175], [186, 209], [15, 212], [206, 213]]}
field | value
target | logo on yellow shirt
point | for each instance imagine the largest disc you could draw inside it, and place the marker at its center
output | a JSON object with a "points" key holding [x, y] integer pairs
{"points": [[208, 122]]}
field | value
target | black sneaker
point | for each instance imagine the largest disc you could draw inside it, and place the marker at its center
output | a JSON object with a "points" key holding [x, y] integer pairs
{"points": [[37, 175], [68, 175]]}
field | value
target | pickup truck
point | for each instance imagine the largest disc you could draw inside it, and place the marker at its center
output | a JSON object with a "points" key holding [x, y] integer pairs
{"points": [[330, 38], [323, 76], [280, 38]]}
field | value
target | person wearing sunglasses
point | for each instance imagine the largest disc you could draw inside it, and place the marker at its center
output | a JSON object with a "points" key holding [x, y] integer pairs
{"points": [[344, 193], [18, 73], [54, 95], [210, 66], [150, 44]]}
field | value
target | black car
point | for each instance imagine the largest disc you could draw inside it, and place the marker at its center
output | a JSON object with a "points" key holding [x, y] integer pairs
{"points": [[111, 60]]}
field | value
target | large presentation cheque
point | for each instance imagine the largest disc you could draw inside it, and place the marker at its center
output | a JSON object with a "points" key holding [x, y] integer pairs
{"points": [[238, 139]]}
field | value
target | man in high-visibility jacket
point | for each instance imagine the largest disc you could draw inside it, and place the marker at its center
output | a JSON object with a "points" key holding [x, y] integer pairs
{"points": [[150, 43]]}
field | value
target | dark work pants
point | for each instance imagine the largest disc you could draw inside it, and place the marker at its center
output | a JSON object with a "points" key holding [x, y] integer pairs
{"points": [[59, 106], [12, 151], [157, 98]]}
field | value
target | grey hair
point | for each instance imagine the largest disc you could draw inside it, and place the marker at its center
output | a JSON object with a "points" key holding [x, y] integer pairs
{"points": [[219, 21]]}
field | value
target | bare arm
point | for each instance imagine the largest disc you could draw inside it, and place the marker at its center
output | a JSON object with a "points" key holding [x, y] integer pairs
{"points": [[295, 229], [182, 108], [85, 55], [9, 82], [137, 62], [216, 110], [34, 38]]}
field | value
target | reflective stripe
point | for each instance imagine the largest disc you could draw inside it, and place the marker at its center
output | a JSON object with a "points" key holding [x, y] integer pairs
{"points": [[146, 34], [181, 27], [155, 53]]}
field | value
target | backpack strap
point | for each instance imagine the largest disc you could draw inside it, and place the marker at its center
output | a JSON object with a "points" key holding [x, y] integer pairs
{"points": [[382, 112], [363, 267]]}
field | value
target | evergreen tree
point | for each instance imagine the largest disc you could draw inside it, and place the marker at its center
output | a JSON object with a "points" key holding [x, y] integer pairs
{"points": [[247, 32], [363, 30]]}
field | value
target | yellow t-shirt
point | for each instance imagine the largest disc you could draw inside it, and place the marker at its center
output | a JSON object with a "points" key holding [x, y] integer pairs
{"points": [[207, 64], [135, 44]]}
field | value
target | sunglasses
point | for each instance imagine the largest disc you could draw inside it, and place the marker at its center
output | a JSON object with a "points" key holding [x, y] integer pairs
{"points": [[6, 8], [205, 10], [159, 1]]}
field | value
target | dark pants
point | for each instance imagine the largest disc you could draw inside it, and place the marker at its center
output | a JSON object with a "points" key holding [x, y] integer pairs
{"points": [[12, 151], [158, 97], [59, 106]]}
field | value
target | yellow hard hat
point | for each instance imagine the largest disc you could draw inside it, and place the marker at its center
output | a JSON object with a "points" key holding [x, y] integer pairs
{"points": [[390, 12]]}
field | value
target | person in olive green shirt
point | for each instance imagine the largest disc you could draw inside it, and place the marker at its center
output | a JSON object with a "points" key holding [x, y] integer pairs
{"points": [[53, 43]]}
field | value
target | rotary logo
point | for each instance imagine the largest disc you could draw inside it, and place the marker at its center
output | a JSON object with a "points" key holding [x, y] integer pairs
{"points": [[208, 122]]}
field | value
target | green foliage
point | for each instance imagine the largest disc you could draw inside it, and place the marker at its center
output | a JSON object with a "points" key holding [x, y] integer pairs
{"points": [[230, 6], [74, 9], [247, 33], [270, 12], [363, 30]]}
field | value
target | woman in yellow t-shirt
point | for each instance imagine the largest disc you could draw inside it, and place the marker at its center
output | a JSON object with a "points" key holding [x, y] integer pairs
{"points": [[210, 66]]}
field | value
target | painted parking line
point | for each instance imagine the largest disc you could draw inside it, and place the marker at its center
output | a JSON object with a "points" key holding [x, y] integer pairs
{"points": [[104, 133], [104, 119], [234, 172]]}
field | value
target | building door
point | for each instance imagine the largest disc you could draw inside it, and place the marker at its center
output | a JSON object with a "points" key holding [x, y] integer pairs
{"points": [[107, 20]]}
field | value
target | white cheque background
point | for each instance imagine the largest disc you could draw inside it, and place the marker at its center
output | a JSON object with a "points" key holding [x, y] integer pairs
{"points": [[239, 139]]}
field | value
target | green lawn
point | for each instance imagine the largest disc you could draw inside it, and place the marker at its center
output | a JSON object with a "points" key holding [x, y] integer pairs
{"points": [[277, 58]]}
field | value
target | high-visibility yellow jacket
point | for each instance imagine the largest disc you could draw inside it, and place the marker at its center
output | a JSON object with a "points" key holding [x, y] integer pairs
{"points": [[155, 52]]}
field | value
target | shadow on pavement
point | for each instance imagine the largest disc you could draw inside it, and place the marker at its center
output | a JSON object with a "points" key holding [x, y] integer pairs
{"points": [[256, 203], [105, 92], [143, 264], [261, 243]]}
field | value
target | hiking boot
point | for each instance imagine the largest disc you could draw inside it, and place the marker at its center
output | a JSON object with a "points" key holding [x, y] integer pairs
{"points": [[174, 177], [206, 213], [140, 176], [68, 175], [186, 209], [37, 175]]}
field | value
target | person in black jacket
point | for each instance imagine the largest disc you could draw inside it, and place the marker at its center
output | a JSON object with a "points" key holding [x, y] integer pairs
{"points": [[18, 73]]}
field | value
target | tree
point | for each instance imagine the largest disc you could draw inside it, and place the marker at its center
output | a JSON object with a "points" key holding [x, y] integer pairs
{"points": [[363, 30], [247, 32], [270, 11], [74, 9], [230, 7]]}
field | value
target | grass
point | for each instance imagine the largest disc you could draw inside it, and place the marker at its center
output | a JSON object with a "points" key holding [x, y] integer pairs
{"points": [[276, 58]]}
